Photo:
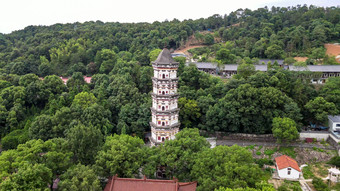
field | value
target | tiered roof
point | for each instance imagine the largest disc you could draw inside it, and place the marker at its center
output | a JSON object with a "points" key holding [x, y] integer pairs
{"points": [[132, 184]]}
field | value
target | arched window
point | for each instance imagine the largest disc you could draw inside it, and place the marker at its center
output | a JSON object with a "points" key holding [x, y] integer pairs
{"points": [[163, 92], [163, 124], [163, 108], [163, 76], [162, 139]]}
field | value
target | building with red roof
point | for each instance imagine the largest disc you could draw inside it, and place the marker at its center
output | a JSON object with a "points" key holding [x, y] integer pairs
{"points": [[133, 184], [287, 167]]}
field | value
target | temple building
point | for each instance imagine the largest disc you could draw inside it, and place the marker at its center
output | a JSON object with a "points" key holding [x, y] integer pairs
{"points": [[165, 111]]}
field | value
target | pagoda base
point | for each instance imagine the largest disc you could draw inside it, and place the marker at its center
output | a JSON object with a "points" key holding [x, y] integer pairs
{"points": [[160, 135]]}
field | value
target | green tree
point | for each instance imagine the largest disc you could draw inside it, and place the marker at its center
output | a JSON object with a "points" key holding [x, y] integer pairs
{"points": [[120, 154], [319, 185], [223, 166], [209, 39], [42, 128], [225, 56], [154, 54], [246, 70], [284, 129], [319, 109], [84, 142], [99, 117], [178, 155], [54, 84], [331, 91], [28, 177], [84, 100], [189, 112], [274, 52], [79, 178]]}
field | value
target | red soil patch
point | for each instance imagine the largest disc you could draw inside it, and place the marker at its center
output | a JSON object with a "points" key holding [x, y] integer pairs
{"points": [[300, 59], [332, 49]]}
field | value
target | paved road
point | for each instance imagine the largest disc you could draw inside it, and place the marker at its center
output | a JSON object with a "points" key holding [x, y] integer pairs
{"points": [[271, 144]]}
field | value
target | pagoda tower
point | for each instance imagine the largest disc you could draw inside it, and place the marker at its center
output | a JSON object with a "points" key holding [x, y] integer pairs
{"points": [[165, 112]]}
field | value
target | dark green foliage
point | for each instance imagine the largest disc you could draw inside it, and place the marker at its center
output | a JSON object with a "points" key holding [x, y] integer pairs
{"points": [[319, 185], [231, 167], [335, 161], [84, 142], [79, 178], [14, 138], [122, 155]]}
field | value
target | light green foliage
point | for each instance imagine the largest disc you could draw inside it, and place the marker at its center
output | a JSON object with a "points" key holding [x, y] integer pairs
{"points": [[289, 60], [307, 172], [189, 112], [84, 142], [284, 129], [120, 154], [79, 178], [51, 154], [84, 100], [154, 54], [319, 108], [259, 187], [290, 185], [288, 151], [28, 177], [231, 167]]}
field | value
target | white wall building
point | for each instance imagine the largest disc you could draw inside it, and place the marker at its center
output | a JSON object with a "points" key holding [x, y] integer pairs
{"points": [[287, 168], [334, 122]]}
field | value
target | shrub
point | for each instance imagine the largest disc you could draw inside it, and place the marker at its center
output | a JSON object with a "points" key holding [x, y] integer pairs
{"points": [[288, 151], [334, 161], [307, 172], [269, 152], [258, 152], [319, 185]]}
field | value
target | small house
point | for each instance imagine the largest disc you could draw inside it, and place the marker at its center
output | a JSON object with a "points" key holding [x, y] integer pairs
{"points": [[287, 168], [334, 122]]}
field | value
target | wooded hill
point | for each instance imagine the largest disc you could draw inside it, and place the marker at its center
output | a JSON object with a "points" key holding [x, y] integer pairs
{"points": [[276, 32]]}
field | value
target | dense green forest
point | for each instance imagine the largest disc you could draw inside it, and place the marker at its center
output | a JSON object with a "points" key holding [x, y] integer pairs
{"points": [[80, 129], [66, 48]]}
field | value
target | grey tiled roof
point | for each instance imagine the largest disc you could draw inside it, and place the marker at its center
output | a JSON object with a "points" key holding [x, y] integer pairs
{"points": [[164, 57], [205, 65], [230, 67], [334, 118], [227, 67], [317, 68], [280, 62]]}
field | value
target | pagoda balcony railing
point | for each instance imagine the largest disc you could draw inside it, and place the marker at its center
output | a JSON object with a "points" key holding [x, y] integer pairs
{"points": [[165, 95], [152, 124], [164, 111], [165, 79]]}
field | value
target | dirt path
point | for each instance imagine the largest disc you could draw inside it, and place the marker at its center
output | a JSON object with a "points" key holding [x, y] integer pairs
{"points": [[185, 50]]}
